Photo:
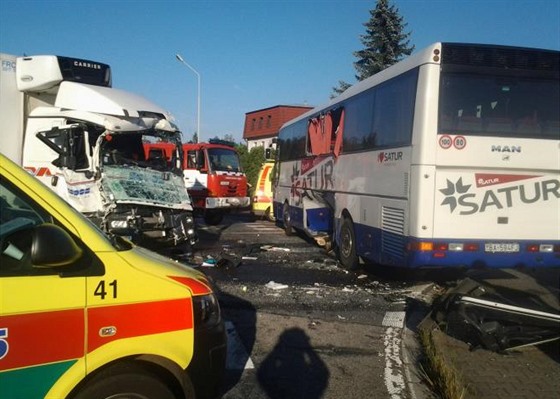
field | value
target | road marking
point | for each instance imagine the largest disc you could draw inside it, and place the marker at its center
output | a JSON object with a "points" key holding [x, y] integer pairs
{"points": [[394, 380], [393, 319], [237, 356]]}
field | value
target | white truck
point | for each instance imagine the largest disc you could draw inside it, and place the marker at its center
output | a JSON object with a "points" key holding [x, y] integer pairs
{"points": [[63, 122]]}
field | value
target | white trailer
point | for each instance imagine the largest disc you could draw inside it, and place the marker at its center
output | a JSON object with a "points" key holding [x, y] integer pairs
{"points": [[64, 123]]}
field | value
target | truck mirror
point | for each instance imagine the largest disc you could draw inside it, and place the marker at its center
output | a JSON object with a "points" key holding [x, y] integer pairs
{"points": [[68, 161]]}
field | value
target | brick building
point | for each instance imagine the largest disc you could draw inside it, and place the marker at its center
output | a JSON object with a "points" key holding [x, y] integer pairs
{"points": [[262, 126]]}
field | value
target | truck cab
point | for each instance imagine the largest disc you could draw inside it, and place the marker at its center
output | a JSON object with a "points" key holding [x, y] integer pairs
{"points": [[213, 176], [84, 140]]}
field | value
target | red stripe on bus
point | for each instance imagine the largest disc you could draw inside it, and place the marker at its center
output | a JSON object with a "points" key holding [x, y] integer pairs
{"points": [[46, 337], [137, 319]]}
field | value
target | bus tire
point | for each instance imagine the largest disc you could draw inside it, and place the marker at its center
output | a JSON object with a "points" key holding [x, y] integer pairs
{"points": [[132, 381], [287, 220], [347, 246]]}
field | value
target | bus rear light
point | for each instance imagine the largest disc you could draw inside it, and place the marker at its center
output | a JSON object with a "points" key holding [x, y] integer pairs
{"points": [[471, 247], [439, 255], [440, 246], [548, 248], [421, 246], [456, 247]]}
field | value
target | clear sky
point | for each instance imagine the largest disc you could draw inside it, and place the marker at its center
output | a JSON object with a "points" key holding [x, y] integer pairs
{"points": [[251, 54]]}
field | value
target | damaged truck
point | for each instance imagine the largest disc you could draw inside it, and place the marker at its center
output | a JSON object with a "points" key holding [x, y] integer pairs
{"points": [[65, 124]]}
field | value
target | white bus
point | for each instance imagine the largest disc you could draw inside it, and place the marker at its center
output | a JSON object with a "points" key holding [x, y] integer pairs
{"points": [[450, 158]]}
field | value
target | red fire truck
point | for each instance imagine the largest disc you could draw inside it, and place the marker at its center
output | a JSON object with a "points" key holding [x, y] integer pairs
{"points": [[212, 174]]}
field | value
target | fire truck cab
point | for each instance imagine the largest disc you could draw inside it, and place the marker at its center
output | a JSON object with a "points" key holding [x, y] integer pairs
{"points": [[213, 176]]}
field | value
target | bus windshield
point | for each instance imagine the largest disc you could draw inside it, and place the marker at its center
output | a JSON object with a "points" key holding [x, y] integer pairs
{"points": [[490, 105]]}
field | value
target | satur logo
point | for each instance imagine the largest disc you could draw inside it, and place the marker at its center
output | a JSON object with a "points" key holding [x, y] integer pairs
{"points": [[458, 195]]}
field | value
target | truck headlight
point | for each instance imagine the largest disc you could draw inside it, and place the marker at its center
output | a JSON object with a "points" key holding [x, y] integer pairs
{"points": [[206, 311], [119, 224]]}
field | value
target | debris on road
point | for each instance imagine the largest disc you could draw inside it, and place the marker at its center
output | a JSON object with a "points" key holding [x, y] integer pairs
{"points": [[276, 286], [274, 249]]}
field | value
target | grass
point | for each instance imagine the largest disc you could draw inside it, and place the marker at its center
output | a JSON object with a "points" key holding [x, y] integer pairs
{"points": [[440, 375]]}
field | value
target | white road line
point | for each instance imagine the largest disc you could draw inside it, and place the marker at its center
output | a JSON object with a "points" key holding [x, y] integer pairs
{"points": [[237, 356], [394, 380]]}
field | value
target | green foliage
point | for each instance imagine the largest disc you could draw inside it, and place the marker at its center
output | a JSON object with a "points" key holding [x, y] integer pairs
{"points": [[342, 86], [251, 161], [385, 43]]}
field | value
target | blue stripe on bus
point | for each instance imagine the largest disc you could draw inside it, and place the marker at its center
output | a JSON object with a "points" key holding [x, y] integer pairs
{"points": [[390, 249], [386, 248]]}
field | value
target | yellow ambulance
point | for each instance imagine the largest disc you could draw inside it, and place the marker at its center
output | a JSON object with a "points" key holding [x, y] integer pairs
{"points": [[88, 316], [262, 198]]}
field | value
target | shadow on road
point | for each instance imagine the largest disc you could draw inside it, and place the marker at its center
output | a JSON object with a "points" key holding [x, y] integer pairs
{"points": [[243, 315], [293, 369]]}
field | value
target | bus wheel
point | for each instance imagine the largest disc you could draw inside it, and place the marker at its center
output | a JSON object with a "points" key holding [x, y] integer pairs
{"points": [[213, 218], [287, 220], [134, 382], [347, 246]]}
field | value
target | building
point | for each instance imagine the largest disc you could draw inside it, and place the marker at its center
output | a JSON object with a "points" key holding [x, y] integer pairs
{"points": [[263, 125]]}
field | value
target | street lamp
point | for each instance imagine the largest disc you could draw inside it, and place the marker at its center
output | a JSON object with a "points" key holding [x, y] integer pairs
{"points": [[180, 59]]}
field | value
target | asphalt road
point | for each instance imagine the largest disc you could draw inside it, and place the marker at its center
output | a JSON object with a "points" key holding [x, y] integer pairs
{"points": [[299, 326]]}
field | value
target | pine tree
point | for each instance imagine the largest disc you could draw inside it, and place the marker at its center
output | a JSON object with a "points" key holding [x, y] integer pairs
{"points": [[385, 43]]}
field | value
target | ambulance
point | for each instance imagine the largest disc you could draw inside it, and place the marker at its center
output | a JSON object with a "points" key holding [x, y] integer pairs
{"points": [[85, 315], [262, 198]]}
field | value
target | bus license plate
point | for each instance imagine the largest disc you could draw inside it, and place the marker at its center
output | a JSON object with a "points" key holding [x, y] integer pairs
{"points": [[501, 247]]}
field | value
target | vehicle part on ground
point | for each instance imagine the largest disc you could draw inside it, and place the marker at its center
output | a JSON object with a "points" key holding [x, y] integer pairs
{"points": [[496, 319]]}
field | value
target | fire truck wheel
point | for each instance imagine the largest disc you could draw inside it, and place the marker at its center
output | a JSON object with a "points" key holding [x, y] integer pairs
{"points": [[213, 218], [132, 382], [347, 245], [287, 220]]}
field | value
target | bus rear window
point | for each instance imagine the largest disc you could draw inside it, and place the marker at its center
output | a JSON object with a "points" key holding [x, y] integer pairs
{"points": [[499, 106]]}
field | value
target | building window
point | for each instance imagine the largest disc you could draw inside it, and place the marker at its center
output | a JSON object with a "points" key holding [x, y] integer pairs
{"points": [[253, 124], [260, 122], [268, 120]]}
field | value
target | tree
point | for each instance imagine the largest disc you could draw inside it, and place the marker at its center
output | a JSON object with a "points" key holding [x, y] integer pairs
{"points": [[385, 43], [251, 162]]}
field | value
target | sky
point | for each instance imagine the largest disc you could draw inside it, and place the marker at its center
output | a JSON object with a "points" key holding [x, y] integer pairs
{"points": [[250, 54]]}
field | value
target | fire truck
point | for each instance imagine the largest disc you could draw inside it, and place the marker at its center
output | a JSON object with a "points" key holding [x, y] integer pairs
{"points": [[212, 174]]}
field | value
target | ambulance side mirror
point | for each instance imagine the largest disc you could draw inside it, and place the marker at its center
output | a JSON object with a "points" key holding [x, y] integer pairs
{"points": [[51, 246]]}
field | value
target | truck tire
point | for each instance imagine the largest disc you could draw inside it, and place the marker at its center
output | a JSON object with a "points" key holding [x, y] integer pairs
{"points": [[347, 246], [130, 381]]}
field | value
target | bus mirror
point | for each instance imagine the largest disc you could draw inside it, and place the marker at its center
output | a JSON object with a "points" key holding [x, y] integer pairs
{"points": [[267, 153]]}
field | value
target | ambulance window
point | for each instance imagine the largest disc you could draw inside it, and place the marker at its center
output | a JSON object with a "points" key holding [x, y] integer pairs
{"points": [[18, 216]]}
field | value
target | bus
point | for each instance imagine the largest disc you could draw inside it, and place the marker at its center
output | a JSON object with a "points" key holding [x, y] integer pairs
{"points": [[449, 158]]}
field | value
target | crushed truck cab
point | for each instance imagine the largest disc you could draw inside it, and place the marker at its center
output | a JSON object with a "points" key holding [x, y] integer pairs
{"points": [[98, 316], [65, 124]]}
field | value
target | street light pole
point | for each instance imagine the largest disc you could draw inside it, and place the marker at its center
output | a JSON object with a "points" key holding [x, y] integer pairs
{"points": [[181, 60]]}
